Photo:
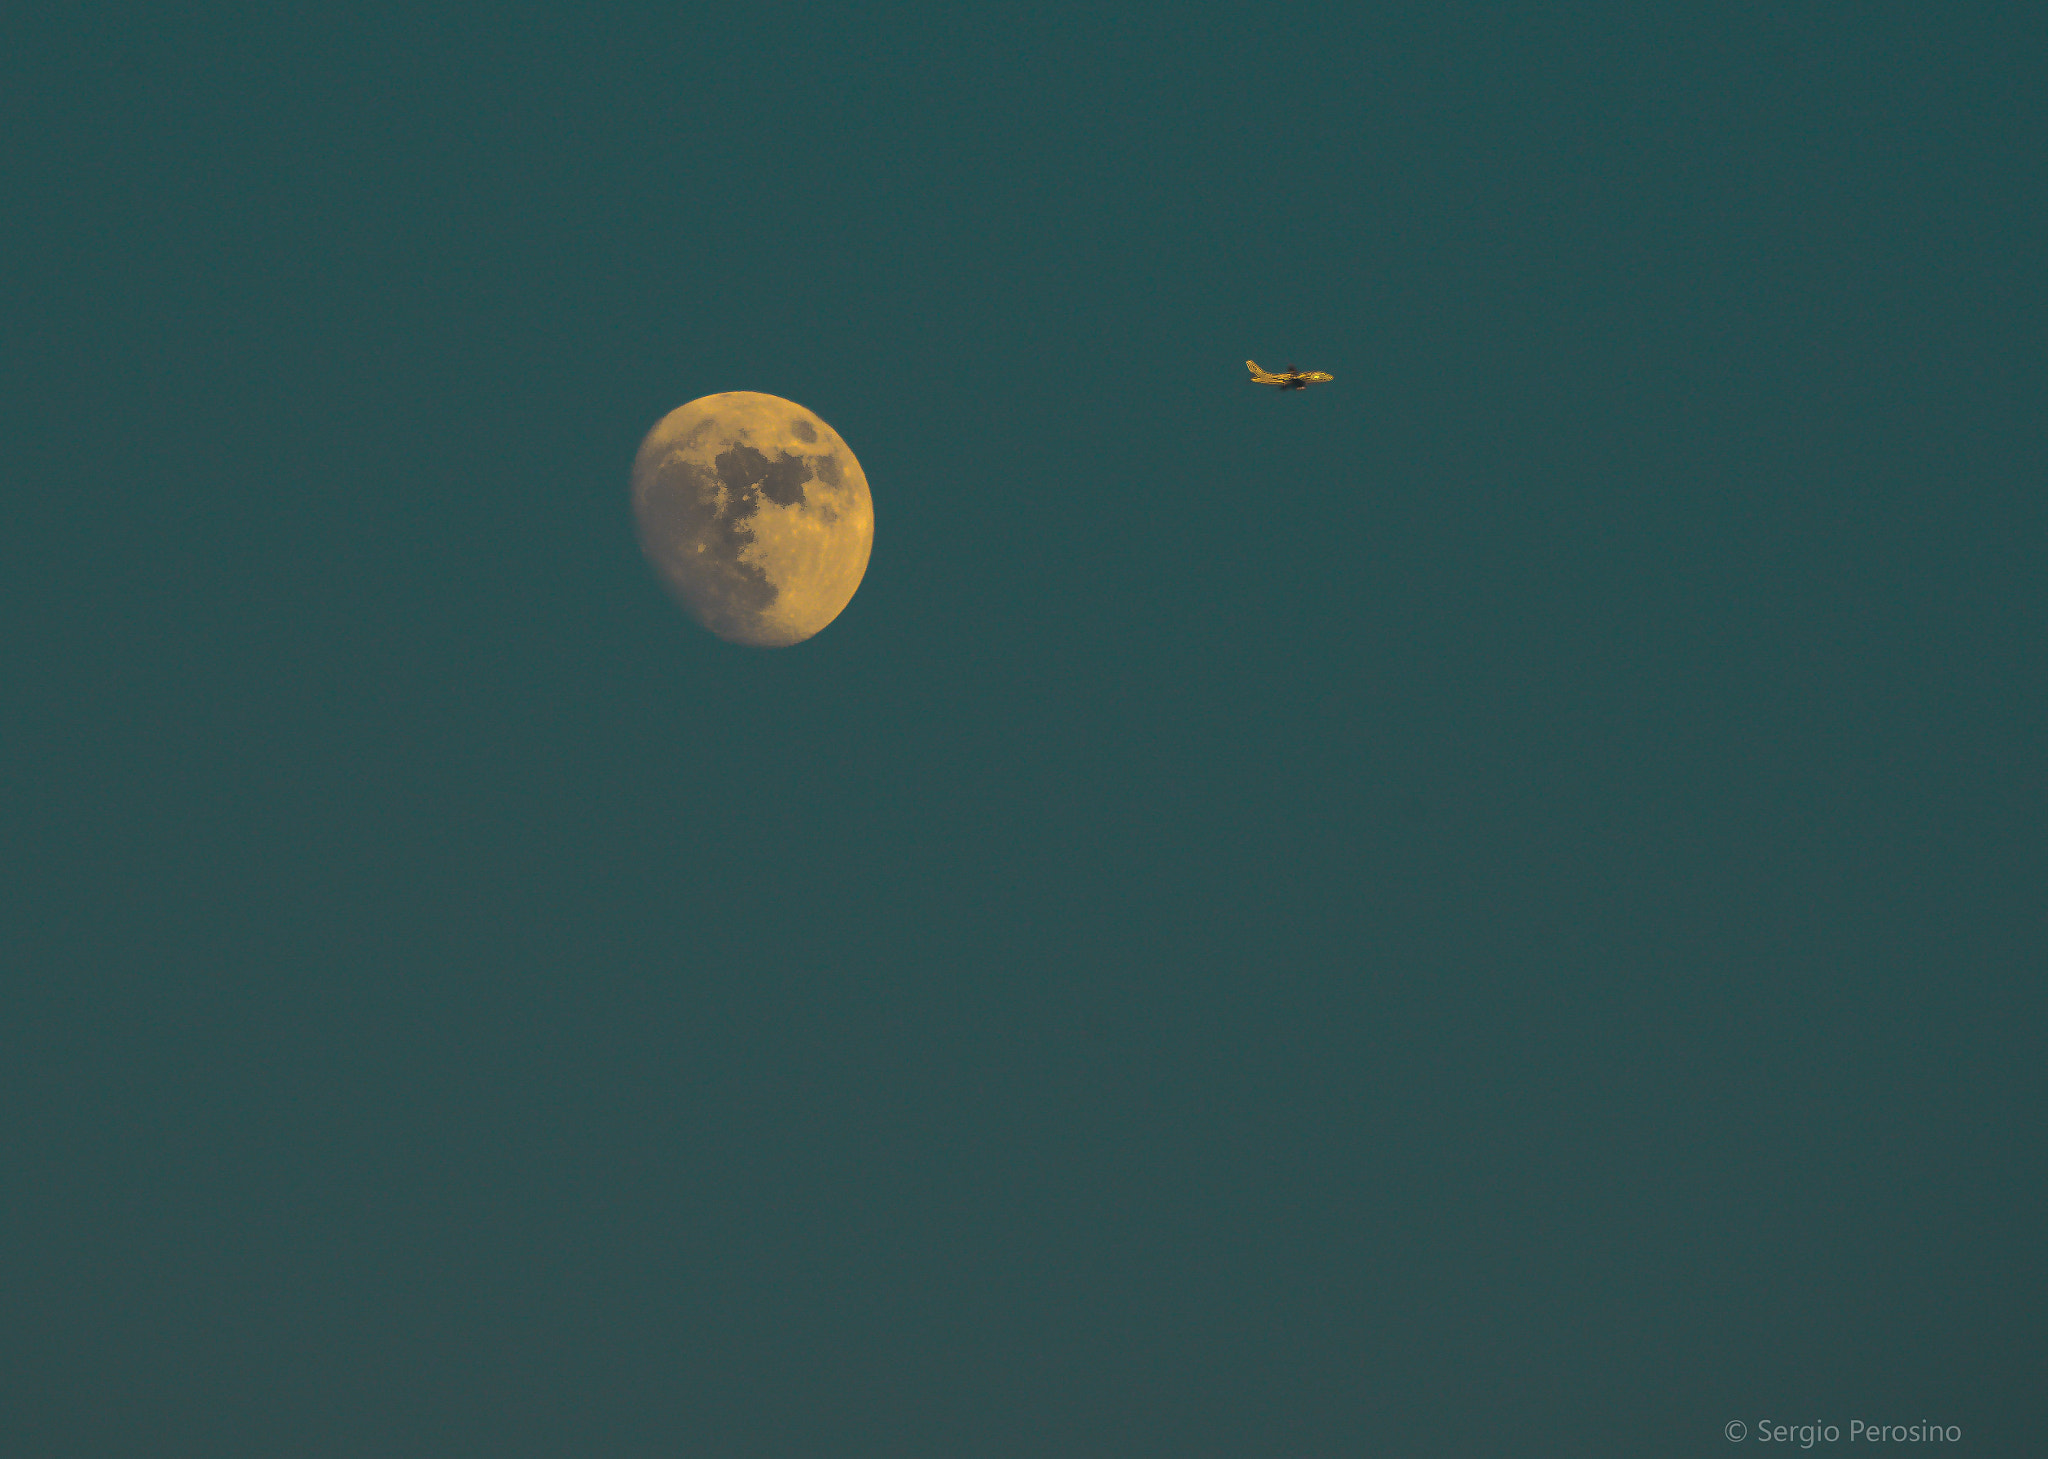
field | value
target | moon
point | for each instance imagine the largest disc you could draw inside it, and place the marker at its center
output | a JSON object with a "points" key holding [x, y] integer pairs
{"points": [[755, 514]]}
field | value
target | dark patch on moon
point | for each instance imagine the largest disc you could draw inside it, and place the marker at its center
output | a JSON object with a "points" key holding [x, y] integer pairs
{"points": [[682, 513], [742, 469], [827, 465], [784, 483], [803, 430]]}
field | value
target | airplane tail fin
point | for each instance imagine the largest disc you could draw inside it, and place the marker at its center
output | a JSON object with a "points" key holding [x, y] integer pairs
{"points": [[1253, 366]]}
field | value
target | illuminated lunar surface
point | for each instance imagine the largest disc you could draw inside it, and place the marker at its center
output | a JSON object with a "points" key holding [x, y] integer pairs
{"points": [[755, 514]]}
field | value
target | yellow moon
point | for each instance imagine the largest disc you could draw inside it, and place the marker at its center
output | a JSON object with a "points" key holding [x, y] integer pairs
{"points": [[755, 514]]}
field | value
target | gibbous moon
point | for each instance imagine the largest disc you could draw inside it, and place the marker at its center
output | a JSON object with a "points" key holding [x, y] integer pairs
{"points": [[755, 514]]}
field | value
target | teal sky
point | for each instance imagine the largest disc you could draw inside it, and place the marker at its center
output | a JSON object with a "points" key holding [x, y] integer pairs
{"points": [[1495, 906]]}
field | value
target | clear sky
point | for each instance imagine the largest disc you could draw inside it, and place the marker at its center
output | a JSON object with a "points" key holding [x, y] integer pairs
{"points": [[1494, 906]]}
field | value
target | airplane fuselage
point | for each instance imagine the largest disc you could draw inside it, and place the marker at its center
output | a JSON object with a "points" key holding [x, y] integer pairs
{"points": [[1291, 379]]}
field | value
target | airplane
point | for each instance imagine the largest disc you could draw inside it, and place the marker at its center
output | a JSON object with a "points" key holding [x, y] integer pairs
{"points": [[1293, 380]]}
